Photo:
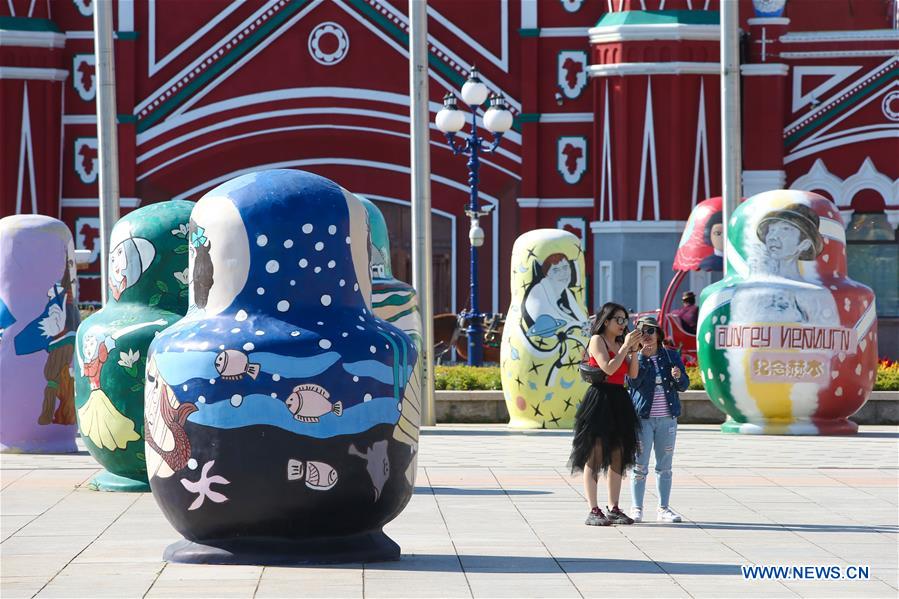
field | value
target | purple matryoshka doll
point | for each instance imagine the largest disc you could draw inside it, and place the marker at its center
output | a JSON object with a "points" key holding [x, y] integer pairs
{"points": [[38, 319], [272, 408]]}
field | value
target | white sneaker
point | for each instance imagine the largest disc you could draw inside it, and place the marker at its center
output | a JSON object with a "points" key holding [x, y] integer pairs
{"points": [[637, 514], [666, 514]]}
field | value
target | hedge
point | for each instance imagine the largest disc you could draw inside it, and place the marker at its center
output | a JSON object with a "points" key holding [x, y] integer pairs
{"points": [[470, 378], [467, 378]]}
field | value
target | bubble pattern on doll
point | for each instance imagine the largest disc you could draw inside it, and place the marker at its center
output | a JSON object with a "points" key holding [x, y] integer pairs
{"points": [[276, 397]]}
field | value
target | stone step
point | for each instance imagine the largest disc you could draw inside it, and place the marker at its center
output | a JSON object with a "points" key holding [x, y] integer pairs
{"points": [[486, 407]]}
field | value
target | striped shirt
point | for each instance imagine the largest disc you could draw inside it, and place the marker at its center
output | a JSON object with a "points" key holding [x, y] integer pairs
{"points": [[659, 407]]}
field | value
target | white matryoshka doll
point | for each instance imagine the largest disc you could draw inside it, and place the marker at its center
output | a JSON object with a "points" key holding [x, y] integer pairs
{"points": [[787, 341]]}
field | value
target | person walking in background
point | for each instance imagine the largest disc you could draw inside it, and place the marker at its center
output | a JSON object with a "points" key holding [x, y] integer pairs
{"points": [[605, 429], [688, 312], [654, 392]]}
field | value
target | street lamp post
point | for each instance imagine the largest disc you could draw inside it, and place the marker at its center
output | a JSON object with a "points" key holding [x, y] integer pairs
{"points": [[498, 120]]}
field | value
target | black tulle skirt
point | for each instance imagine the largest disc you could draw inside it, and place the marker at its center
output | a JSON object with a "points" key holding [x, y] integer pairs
{"points": [[605, 416]]}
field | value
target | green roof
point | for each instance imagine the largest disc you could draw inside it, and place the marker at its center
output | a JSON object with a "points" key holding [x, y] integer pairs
{"points": [[659, 17], [27, 24]]}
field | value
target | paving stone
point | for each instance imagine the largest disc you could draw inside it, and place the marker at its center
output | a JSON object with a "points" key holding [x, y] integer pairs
{"points": [[510, 525]]}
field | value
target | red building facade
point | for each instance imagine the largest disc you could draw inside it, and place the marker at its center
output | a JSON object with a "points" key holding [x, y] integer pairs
{"points": [[617, 108]]}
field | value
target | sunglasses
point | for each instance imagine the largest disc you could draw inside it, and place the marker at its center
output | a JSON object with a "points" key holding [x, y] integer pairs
{"points": [[647, 330], [622, 320]]}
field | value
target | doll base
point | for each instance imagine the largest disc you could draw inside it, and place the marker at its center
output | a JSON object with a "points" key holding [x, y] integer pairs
{"points": [[262, 551], [839, 426], [107, 481]]}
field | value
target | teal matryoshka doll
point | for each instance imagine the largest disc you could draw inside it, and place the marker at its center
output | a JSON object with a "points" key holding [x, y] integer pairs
{"points": [[147, 291], [276, 409], [397, 303]]}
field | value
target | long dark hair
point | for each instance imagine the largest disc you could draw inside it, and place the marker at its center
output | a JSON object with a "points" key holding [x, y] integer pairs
{"points": [[203, 269], [605, 313]]}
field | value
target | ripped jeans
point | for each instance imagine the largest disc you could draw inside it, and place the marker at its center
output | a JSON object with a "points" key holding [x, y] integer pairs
{"points": [[659, 433]]}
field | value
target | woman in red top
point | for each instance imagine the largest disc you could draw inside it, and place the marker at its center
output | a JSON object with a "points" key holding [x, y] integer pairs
{"points": [[605, 429]]}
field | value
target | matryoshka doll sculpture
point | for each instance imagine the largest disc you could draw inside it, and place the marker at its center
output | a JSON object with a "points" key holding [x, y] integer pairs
{"points": [[38, 318], [397, 303], [272, 408], [147, 291], [787, 342], [546, 331]]}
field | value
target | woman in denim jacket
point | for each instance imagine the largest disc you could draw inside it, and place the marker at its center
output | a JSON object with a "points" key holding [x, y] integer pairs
{"points": [[654, 392]]}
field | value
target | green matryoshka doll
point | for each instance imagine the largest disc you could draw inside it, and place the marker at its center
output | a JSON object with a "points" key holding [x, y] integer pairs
{"points": [[397, 303], [147, 291]]}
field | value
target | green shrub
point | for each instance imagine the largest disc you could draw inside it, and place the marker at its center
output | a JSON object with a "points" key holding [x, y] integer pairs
{"points": [[887, 376], [696, 383], [471, 378], [467, 378]]}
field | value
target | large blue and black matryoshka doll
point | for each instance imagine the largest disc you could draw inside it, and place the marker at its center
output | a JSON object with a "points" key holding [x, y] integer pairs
{"points": [[272, 407]]}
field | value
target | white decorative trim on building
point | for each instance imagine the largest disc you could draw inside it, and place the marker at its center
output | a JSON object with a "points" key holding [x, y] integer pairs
{"points": [[563, 31], [653, 68], [605, 165], [758, 181], [555, 202], [33, 73], [628, 227], [768, 21], [702, 150], [32, 39], [567, 117], [866, 35], [609, 34], [528, 14], [761, 69], [604, 281], [654, 267], [649, 152], [95, 202], [838, 74], [838, 54], [847, 213], [842, 191], [26, 152], [892, 218], [79, 119]]}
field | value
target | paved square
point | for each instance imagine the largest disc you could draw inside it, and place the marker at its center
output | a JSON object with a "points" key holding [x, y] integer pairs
{"points": [[495, 514]]}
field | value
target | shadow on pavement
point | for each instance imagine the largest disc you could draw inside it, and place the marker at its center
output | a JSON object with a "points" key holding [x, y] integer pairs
{"points": [[439, 432], [464, 491], [530, 565], [779, 527], [875, 435]]}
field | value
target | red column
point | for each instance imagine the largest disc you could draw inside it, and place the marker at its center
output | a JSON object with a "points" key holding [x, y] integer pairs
{"points": [[764, 107], [32, 73]]}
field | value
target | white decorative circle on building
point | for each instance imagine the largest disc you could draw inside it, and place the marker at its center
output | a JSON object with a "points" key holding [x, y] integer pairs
{"points": [[572, 5], [769, 8], [890, 106], [329, 43]]}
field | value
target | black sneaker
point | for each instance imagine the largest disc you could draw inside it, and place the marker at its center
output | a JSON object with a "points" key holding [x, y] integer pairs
{"points": [[616, 516], [597, 518]]}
